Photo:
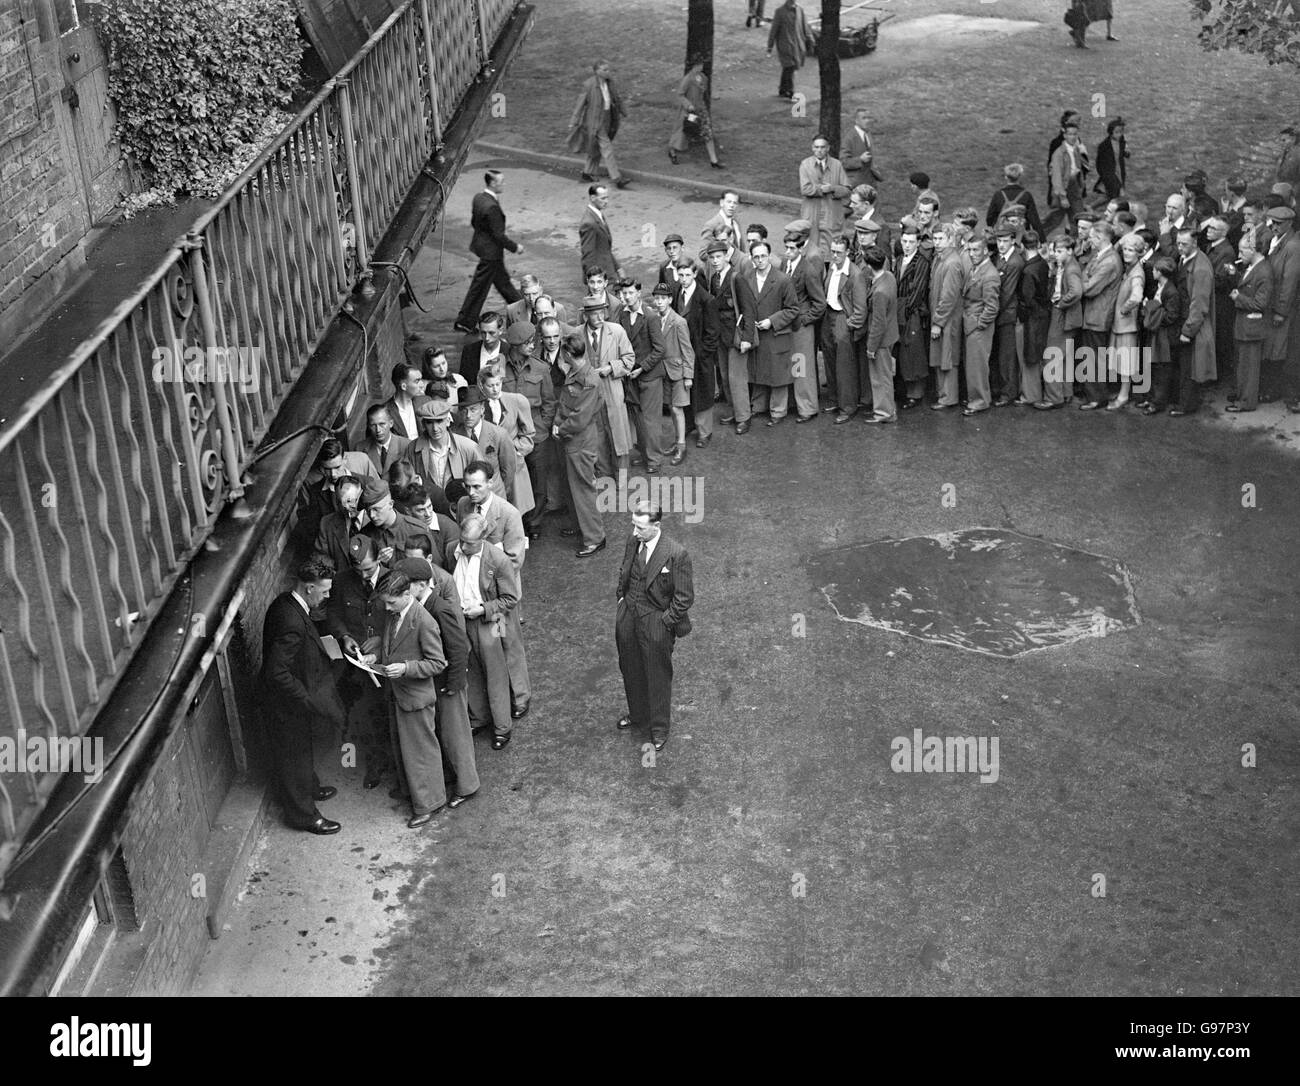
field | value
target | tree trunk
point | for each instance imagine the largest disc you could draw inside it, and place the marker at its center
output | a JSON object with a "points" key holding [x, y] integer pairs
{"points": [[699, 41], [828, 67]]}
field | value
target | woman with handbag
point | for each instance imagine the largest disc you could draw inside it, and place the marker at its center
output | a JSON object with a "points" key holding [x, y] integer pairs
{"points": [[693, 120], [912, 273], [1125, 338]]}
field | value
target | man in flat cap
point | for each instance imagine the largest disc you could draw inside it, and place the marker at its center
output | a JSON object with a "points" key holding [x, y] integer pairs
{"points": [[675, 248], [1281, 369], [438, 455], [806, 272]]}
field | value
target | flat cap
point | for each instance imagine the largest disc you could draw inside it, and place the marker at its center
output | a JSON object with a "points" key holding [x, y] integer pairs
{"points": [[868, 224], [417, 569], [520, 333], [432, 407], [663, 290], [1279, 214], [674, 237]]}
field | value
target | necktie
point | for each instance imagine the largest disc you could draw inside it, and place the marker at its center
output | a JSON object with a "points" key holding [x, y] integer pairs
{"points": [[641, 555], [383, 457], [595, 346], [478, 508]]}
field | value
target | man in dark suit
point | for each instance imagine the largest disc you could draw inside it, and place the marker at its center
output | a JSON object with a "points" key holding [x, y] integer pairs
{"points": [[1251, 301], [1035, 304], [733, 332], [300, 693], [1112, 171], [435, 590], [417, 502], [655, 591], [595, 238], [695, 303], [645, 384], [1005, 369], [337, 529], [487, 350], [1223, 260], [490, 244], [843, 324], [411, 657], [804, 266], [381, 445]]}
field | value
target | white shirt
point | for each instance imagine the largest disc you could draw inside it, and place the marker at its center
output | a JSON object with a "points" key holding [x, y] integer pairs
{"points": [[687, 292], [493, 195], [596, 211], [604, 92], [485, 355], [761, 279], [466, 576], [833, 286], [301, 603]]}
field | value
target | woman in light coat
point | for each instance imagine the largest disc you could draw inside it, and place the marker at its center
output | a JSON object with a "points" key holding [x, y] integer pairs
{"points": [[1126, 331]]}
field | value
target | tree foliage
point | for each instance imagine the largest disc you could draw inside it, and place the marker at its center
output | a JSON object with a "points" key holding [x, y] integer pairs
{"points": [[194, 80], [1268, 28]]}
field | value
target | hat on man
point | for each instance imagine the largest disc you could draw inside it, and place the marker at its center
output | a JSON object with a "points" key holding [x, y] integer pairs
{"points": [[373, 491], [591, 303], [473, 394], [908, 226], [1283, 189], [417, 569], [674, 237], [1236, 184], [1004, 230], [520, 333], [799, 226], [360, 548], [662, 290], [920, 180], [716, 247], [433, 407], [868, 225], [1279, 214]]}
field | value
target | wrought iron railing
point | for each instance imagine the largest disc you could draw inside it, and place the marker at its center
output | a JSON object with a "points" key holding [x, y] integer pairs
{"points": [[112, 476]]}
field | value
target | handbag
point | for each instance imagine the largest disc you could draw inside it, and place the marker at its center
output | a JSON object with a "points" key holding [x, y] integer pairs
{"points": [[1153, 314]]}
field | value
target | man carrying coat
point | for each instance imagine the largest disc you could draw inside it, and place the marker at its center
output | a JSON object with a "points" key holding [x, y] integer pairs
{"points": [[655, 592], [594, 124]]}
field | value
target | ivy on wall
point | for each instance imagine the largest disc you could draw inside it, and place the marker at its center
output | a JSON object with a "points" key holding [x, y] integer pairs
{"points": [[195, 81]]}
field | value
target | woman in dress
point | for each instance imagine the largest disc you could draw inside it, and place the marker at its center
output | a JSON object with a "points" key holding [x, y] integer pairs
{"points": [[912, 272], [694, 110], [1125, 331], [1067, 319]]}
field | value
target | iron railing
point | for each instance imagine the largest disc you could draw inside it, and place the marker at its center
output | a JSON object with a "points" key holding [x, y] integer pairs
{"points": [[111, 478]]}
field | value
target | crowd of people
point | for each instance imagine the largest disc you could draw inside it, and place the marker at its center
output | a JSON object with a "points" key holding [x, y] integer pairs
{"points": [[418, 538]]}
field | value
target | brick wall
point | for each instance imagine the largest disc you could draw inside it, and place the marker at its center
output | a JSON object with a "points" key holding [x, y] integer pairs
{"points": [[45, 217]]}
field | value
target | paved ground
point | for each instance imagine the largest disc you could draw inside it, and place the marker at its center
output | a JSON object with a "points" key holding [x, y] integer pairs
{"points": [[772, 847]]}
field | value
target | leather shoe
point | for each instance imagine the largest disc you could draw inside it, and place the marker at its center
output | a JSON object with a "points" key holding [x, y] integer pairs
{"points": [[742, 427], [625, 722], [659, 741], [461, 326], [1091, 405], [500, 742], [588, 177], [842, 418], [877, 419], [804, 418], [423, 819], [323, 826], [373, 779], [1174, 413], [774, 422], [325, 792], [534, 533], [457, 801], [672, 156], [679, 454], [942, 406], [968, 411], [728, 420], [568, 533], [622, 183], [1002, 401], [587, 552], [652, 469], [703, 440], [519, 712]]}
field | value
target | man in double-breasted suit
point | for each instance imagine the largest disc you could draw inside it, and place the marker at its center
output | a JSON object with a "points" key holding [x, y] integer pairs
{"points": [[697, 307], [1251, 300], [577, 429], [843, 325], [803, 265], [595, 239], [645, 385], [735, 337], [489, 591], [775, 313], [1101, 282], [411, 657], [655, 592], [300, 693], [435, 590], [1010, 266], [490, 244], [947, 285], [882, 335], [979, 299]]}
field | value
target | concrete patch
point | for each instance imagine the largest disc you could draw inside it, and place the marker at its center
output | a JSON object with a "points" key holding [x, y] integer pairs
{"points": [[985, 590], [930, 27]]}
